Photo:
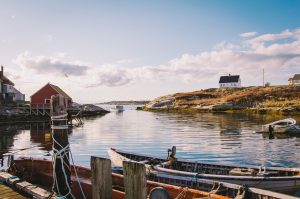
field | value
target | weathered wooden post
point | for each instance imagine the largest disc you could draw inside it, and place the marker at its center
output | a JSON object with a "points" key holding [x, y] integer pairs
{"points": [[61, 164], [101, 178], [135, 181]]}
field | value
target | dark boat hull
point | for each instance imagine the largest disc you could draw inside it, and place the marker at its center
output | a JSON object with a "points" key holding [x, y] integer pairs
{"points": [[39, 172], [288, 180]]}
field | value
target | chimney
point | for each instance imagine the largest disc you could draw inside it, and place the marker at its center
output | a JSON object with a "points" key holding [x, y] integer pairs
{"points": [[1, 72]]}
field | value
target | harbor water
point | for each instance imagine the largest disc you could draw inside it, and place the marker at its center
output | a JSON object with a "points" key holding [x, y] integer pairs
{"points": [[209, 137]]}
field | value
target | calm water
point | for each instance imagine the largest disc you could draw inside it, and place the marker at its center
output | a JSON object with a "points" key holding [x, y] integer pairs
{"points": [[226, 138]]}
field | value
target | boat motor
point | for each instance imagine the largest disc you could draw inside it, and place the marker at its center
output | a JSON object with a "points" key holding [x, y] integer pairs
{"points": [[172, 152], [171, 156]]}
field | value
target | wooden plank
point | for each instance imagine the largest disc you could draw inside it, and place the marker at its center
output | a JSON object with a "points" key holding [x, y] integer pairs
{"points": [[101, 178], [7, 192], [135, 181], [33, 190]]}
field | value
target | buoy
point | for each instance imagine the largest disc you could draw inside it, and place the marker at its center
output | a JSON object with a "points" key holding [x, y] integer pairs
{"points": [[159, 193]]}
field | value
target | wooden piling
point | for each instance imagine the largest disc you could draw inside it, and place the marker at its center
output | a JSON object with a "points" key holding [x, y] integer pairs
{"points": [[135, 181], [62, 168], [101, 178]]}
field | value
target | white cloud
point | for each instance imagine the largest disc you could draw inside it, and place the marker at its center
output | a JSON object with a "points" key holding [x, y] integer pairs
{"points": [[248, 34], [50, 65], [246, 58], [49, 38]]}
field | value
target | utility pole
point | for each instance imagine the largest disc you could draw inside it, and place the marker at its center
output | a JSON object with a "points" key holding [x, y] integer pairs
{"points": [[263, 77]]}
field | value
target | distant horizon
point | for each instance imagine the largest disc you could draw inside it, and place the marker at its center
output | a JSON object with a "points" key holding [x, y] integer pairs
{"points": [[120, 51]]}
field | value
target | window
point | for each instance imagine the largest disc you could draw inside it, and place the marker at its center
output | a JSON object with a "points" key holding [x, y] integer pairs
{"points": [[47, 101]]}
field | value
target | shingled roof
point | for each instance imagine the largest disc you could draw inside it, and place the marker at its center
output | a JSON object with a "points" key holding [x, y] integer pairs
{"points": [[56, 88], [296, 77], [229, 79], [60, 91], [5, 80]]}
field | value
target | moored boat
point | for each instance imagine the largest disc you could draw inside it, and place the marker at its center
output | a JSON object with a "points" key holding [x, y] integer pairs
{"points": [[40, 172], [285, 180], [118, 108], [281, 126]]}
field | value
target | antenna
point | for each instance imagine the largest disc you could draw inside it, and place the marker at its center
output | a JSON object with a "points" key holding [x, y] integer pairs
{"points": [[263, 77]]}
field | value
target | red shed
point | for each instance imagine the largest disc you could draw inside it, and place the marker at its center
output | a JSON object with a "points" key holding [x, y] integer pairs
{"points": [[42, 97]]}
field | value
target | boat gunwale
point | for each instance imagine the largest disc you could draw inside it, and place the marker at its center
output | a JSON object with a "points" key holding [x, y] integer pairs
{"points": [[252, 190], [222, 165]]}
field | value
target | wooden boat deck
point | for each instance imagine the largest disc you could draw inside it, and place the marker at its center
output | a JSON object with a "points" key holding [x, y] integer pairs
{"points": [[8, 193]]}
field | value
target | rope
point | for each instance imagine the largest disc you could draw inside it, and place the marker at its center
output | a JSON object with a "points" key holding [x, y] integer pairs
{"points": [[23, 149], [182, 193]]}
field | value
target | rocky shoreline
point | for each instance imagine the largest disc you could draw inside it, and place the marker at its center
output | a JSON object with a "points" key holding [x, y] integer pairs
{"points": [[264, 100]]}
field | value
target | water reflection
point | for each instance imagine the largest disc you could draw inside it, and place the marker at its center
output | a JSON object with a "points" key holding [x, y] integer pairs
{"points": [[40, 133], [218, 137]]}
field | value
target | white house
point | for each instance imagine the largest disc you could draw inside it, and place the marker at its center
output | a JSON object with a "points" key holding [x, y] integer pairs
{"points": [[295, 80], [18, 96], [230, 81]]}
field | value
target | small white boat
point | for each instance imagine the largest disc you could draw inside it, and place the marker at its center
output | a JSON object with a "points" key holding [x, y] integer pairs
{"points": [[282, 126], [118, 108]]}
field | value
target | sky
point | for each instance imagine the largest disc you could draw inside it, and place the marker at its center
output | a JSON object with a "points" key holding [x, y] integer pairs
{"points": [[138, 50]]}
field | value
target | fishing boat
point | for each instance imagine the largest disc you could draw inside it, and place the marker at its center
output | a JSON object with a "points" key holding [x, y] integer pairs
{"points": [[40, 171], [286, 180], [282, 126], [118, 108]]}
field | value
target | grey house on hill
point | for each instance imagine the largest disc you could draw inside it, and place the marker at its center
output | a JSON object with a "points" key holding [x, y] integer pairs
{"points": [[6, 88], [8, 93], [295, 80], [230, 81]]}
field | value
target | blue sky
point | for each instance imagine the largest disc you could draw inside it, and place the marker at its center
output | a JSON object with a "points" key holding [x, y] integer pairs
{"points": [[122, 50]]}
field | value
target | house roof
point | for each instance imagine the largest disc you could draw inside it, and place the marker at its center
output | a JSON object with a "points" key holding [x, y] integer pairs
{"points": [[60, 91], [56, 88], [17, 91], [296, 77], [5, 80], [229, 79]]}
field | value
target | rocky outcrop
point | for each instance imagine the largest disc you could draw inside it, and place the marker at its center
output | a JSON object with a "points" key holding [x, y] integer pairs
{"points": [[284, 99], [161, 102], [92, 110]]}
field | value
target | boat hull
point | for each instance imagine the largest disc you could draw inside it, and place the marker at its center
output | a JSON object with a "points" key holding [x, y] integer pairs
{"points": [[284, 184], [40, 171]]}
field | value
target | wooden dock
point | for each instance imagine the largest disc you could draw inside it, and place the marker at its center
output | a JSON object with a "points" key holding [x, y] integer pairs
{"points": [[8, 193], [14, 187]]}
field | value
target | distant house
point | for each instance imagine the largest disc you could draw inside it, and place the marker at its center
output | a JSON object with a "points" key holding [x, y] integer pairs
{"points": [[294, 80], [18, 96], [6, 88], [230, 81], [42, 97]]}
